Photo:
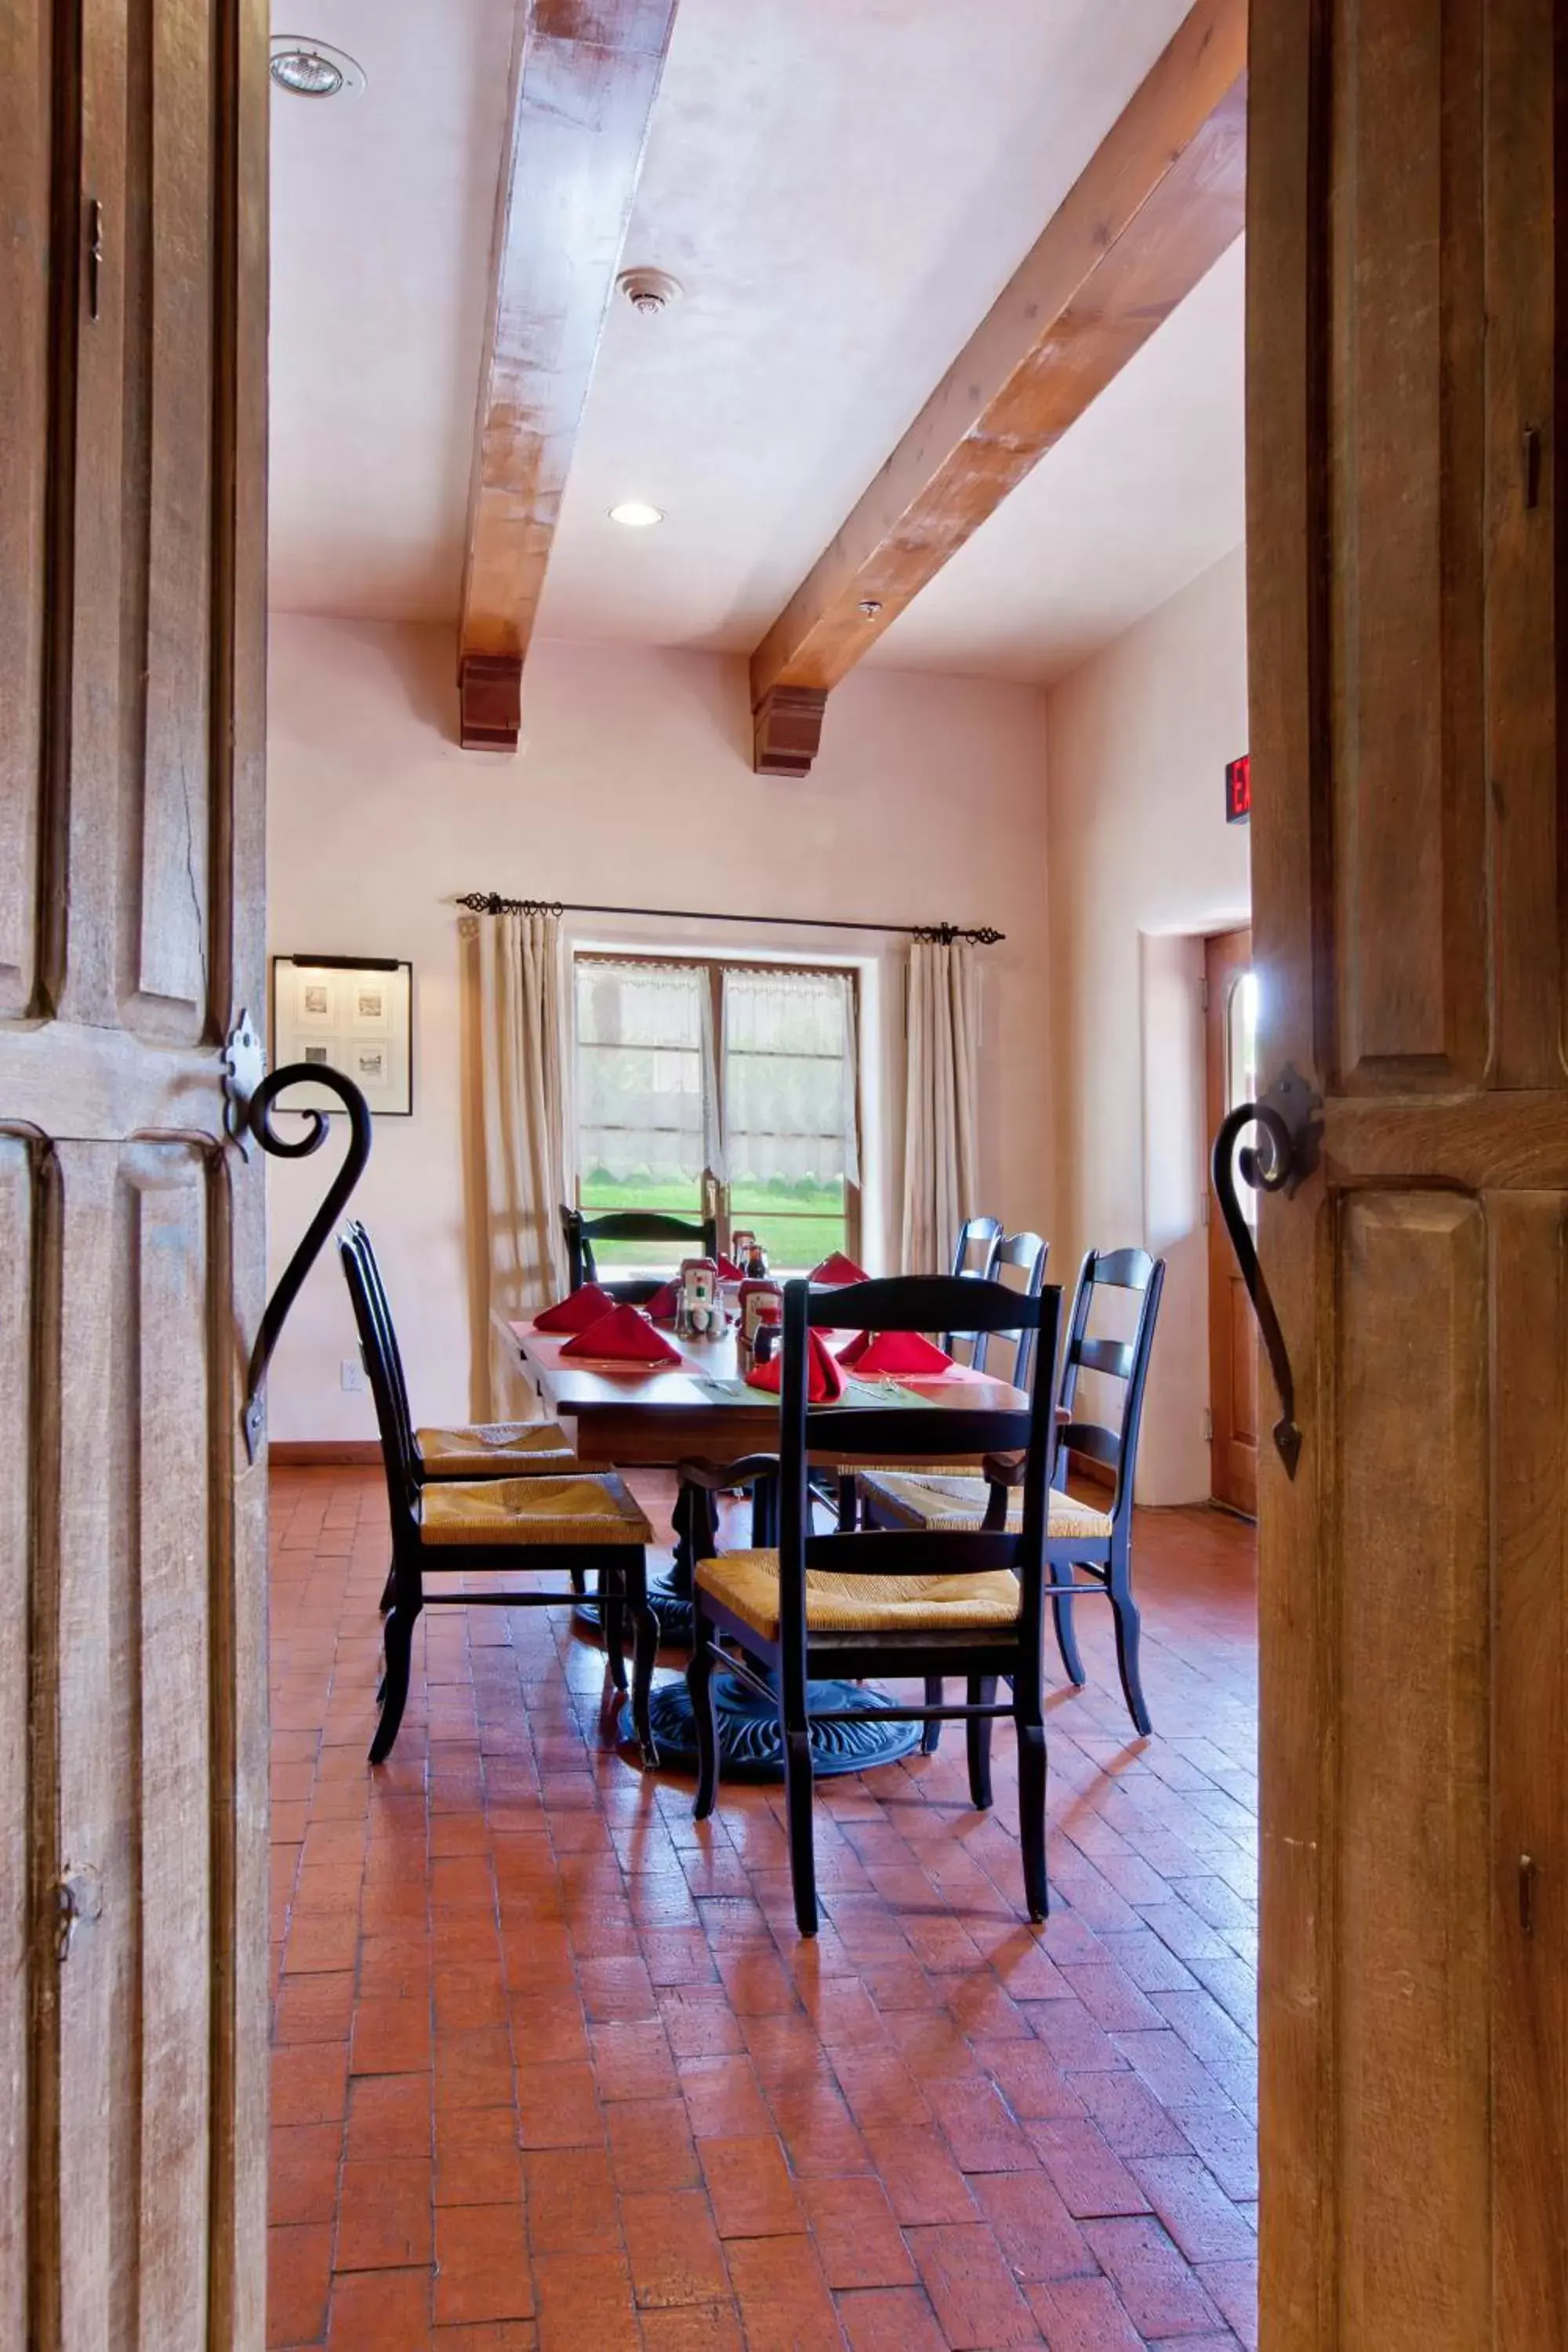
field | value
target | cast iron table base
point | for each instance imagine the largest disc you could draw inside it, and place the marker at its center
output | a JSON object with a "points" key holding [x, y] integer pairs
{"points": [[750, 1745], [670, 1605]]}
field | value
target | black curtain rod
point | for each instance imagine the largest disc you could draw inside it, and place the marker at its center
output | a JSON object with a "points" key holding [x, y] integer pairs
{"points": [[490, 902]]}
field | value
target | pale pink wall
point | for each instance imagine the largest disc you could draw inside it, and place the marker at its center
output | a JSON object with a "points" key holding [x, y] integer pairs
{"points": [[633, 785], [1142, 863]]}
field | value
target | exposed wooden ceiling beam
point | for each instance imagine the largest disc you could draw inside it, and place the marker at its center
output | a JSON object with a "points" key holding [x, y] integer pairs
{"points": [[584, 74], [1159, 201]]}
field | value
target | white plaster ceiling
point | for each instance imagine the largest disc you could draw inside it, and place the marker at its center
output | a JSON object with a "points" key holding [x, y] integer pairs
{"points": [[843, 186]]}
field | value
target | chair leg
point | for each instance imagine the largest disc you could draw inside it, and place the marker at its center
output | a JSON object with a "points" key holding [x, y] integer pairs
{"points": [[930, 1737], [1067, 1633], [848, 1506], [645, 1649], [398, 1638], [797, 1813], [388, 1592], [1029, 1715], [1032, 1817], [705, 1722], [579, 1581], [981, 1691], [612, 1617], [1129, 1630]]}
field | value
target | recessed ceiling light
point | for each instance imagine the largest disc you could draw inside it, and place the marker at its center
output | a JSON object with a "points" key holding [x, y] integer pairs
{"points": [[307, 68], [637, 514]]}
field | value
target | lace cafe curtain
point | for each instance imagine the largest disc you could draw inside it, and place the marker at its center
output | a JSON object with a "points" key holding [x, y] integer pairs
{"points": [[648, 1104], [789, 1079]]}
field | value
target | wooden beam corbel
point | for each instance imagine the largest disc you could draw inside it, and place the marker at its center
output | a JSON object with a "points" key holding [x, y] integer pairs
{"points": [[1161, 199], [583, 80], [787, 730]]}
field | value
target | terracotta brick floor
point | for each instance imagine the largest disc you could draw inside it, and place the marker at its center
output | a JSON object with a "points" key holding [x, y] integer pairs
{"points": [[553, 2068]]}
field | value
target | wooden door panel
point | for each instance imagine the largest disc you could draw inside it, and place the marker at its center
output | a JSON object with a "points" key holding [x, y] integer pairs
{"points": [[132, 1538], [171, 812], [25, 113], [1244, 1361], [1412, 1579], [1407, 566], [1233, 1335], [1404, 358], [17, 1960], [1529, 1708], [163, 1190]]}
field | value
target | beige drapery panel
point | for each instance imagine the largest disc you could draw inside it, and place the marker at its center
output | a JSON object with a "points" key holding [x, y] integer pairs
{"points": [[941, 1092], [517, 1135]]}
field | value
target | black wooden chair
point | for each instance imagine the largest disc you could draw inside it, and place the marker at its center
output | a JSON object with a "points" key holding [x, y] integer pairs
{"points": [[846, 1605], [973, 1256], [690, 1238], [588, 1525], [1098, 1543], [1024, 1257], [492, 1449], [976, 1247]]}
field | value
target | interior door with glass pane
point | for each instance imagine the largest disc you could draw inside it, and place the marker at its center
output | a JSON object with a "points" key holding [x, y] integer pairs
{"points": [[1232, 1029]]}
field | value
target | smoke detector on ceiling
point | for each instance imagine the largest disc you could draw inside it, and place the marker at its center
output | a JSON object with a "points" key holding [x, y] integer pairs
{"points": [[308, 69], [649, 292]]}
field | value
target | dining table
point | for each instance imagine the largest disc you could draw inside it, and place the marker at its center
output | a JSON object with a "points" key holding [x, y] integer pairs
{"points": [[701, 1409]]}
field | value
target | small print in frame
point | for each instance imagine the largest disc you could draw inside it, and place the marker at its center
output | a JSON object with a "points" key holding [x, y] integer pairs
{"points": [[370, 1007], [315, 1000], [354, 1018]]}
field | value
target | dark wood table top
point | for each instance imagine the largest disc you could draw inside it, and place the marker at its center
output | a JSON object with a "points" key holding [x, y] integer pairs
{"points": [[642, 1414]]}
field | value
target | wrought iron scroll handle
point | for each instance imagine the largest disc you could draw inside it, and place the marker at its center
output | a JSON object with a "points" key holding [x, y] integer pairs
{"points": [[256, 1121], [1288, 1117]]}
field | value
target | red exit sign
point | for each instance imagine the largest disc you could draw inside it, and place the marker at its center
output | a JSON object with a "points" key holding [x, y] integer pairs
{"points": [[1238, 789]]}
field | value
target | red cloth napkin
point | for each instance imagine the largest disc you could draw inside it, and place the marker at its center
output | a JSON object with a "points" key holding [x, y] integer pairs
{"points": [[895, 1351], [825, 1381], [663, 1302], [624, 1336], [575, 1313], [730, 1272], [837, 1269]]}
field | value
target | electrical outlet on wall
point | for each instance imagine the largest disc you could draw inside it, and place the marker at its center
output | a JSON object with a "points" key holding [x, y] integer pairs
{"points": [[351, 1374]]}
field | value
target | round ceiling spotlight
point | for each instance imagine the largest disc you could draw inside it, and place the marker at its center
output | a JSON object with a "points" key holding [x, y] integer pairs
{"points": [[649, 292], [637, 514], [308, 69]]}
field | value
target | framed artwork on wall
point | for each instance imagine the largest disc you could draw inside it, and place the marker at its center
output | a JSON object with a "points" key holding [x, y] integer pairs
{"points": [[354, 1014]]}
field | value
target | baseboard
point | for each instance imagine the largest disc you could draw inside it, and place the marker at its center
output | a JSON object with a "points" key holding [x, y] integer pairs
{"points": [[324, 1454], [1083, 1466]]}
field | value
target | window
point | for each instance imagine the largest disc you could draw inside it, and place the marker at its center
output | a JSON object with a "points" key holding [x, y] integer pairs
{"points": [[734, 1084]]}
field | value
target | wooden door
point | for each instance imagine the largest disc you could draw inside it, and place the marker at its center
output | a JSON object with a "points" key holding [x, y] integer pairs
{"points": [[134, 1946], [1230, 1026], [1406, 580]]}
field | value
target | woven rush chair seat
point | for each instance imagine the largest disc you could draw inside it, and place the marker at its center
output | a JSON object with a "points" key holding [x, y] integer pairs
{"points": [[581, 1510], [746, 1583], [495, 1449], [941, 1504]]}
